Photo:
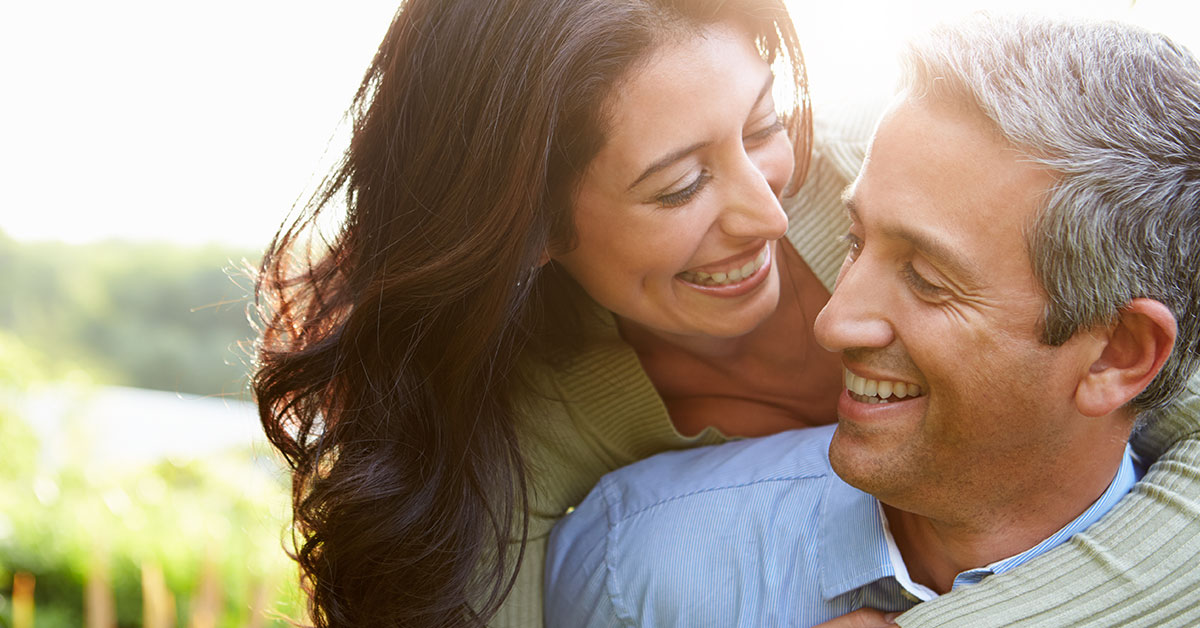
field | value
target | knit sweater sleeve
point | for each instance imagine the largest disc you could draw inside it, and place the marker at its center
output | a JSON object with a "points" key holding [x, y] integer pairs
{"points": [[1138, 566]]}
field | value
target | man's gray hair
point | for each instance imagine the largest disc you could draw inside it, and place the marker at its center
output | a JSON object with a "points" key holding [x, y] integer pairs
{"points": [[1114, 110]]}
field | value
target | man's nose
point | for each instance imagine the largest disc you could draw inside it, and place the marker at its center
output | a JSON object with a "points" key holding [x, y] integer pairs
{"points": [[857, 314]]}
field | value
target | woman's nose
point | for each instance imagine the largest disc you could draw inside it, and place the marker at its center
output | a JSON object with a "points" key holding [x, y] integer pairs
{"points": [[752, 207]]}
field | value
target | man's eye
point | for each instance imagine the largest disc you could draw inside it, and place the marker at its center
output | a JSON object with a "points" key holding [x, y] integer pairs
{"points": [[918, 283], [681, 197], [855, 245]]}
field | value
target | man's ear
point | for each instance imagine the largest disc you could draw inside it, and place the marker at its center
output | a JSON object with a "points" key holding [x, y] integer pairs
{"points": [[1136, 348]]}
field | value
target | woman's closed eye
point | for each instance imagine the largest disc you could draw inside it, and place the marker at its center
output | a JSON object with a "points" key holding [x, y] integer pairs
{"points": [[766, 133], [682, 197]]}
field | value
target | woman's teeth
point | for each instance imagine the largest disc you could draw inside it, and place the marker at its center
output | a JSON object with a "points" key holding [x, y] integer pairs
{"points": [[727, 277], [879, 391]]}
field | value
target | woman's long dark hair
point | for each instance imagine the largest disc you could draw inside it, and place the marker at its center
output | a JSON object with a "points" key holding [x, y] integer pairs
{"points": [[387, 352]]}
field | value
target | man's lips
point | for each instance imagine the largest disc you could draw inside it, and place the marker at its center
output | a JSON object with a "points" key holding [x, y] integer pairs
{"points": [[866, 390]]}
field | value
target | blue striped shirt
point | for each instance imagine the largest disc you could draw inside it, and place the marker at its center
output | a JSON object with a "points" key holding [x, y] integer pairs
{"points": [[759, 532]]}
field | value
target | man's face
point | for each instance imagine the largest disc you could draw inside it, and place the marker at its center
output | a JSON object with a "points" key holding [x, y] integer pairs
{"points": [[937, 300]]}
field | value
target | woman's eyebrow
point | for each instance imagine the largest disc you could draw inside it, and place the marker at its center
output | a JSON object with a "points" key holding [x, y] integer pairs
{"points": [[684, 152], [667, 161]]}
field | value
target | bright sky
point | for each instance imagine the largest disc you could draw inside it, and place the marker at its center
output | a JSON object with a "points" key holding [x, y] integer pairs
{"points": [[205, 122]]}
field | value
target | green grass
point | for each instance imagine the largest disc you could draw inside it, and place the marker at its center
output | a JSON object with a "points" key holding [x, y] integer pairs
{"points": [[225, 514]]}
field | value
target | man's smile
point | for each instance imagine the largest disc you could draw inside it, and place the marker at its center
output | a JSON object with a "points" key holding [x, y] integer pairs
{"points": [[865, 390]]}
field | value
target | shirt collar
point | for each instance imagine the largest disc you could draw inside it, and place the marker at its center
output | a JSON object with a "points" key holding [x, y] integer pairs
{"points": [[852, 539]]}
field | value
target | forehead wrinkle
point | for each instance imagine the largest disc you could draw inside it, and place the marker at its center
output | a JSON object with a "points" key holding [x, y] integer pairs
{"points": [[930, 246]]}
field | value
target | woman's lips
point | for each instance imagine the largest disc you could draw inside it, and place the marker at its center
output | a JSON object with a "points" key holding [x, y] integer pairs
{"points": [[732, 283], [730, 275]]}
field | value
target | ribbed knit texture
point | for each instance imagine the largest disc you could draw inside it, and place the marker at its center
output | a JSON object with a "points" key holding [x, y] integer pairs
{"points": [[1140, 565]]}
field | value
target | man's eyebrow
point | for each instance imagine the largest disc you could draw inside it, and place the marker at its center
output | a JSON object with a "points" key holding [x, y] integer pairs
{"points": [[683, 152], [847, 198], [929, 246]]}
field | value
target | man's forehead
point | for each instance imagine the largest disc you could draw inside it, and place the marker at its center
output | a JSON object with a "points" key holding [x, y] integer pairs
{"points": [[941, 179]]}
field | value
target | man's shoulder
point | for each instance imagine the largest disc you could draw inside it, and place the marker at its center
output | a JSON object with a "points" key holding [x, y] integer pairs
{"points": [[676, 475], [655, 539]]}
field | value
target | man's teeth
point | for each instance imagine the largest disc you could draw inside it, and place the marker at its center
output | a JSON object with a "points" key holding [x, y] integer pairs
{"points": [[726, 277], [878, 391]]}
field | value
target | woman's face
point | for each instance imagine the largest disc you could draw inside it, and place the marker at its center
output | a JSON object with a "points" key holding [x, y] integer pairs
{"points": [[677, 216]]}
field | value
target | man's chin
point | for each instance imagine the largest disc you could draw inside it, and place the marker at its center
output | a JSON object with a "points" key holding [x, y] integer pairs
{"points": [[860, 462]]}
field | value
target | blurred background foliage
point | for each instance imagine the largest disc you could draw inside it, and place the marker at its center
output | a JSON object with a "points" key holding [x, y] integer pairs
{"points": [[202, 535], [148, 315]]}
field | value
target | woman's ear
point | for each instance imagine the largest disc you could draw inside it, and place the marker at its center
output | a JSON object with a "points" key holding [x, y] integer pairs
{"points": [[1137, 346]]}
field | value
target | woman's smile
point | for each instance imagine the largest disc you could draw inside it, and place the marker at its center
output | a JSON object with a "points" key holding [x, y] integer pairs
{"points": [[731, 277]]}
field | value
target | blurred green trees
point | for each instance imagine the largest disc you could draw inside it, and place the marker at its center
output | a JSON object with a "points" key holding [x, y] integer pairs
{"points": [[145, 315], [208, 529]]}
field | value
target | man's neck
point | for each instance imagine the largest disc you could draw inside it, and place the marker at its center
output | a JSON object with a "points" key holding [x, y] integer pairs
{"points": [[935, 553], [936, 550]]}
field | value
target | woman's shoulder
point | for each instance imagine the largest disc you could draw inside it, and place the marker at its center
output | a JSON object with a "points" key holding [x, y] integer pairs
{"points": [[842, 130], [582, 415], [816, 219]]}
